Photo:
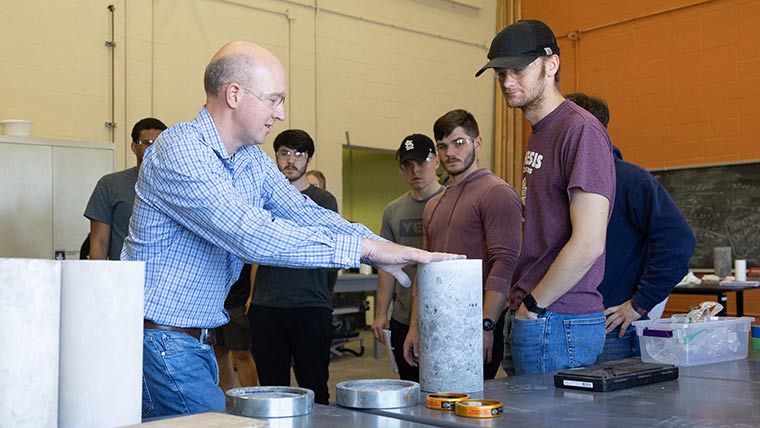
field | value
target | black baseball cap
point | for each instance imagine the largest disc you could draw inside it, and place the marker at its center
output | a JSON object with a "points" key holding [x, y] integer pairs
{"points": [[415, 147], [519, 44]]}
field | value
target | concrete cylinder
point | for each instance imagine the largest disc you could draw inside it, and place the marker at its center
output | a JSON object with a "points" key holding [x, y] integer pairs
{"points": [[30, 301], [450, 295], [101, 343], [722, 261]]}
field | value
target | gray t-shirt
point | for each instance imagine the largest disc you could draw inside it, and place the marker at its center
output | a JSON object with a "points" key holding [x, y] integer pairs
{"points": [[402, 224], [280, 287], [111, 203]]}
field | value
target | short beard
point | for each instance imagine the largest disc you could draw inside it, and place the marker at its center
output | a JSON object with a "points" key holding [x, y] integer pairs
{"points": [[301, 172], [467, 161]]}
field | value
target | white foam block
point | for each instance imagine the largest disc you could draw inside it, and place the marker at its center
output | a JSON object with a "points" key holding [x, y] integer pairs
{"points": [[101, 343], [29, 320]]}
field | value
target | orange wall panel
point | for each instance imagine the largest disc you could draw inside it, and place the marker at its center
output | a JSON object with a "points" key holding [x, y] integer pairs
{"points": [[683, 86]]}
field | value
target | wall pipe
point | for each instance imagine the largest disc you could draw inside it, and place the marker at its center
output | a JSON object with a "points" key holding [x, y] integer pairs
{"points": [[316, 74], [111, 44]]}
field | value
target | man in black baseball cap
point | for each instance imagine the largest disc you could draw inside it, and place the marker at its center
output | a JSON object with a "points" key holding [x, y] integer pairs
{"points": [[415, 147], [520, 44], [568, 187], [402, 224]]}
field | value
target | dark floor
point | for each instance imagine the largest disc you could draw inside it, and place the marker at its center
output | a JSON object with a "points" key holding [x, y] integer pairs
{"points": [[350, 367]]}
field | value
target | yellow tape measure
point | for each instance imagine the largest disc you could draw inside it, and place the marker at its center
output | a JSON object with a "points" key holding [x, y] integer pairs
{"points": [[478, 408], [444, 400]]}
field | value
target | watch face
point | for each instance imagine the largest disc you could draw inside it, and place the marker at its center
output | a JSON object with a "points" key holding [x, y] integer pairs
{"points": [[488, 325]]}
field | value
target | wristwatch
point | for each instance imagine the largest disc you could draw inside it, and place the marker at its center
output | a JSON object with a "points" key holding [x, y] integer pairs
{"points": [[532, 306], [488, 324]]}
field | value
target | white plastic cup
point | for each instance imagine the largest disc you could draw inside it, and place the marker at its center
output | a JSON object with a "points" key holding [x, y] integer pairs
{"points": [[740, 270], [19, 128]]}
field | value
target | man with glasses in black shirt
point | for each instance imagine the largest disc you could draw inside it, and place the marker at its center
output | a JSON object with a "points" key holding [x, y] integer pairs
{"points": [[291, 309]]}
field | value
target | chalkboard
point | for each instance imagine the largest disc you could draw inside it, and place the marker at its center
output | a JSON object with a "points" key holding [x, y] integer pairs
{"points": [[722, 206]]}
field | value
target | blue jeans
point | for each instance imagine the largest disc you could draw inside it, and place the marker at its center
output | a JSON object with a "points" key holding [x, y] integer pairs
{"points": [[180, 375], [552, 342], [616, 348]]}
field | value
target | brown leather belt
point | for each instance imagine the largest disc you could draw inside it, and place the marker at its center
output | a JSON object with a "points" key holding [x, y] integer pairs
{"points": [[209, 338]]}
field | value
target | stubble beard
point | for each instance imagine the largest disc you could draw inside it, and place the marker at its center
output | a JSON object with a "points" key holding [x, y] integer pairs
{"points": [[533, 97]]}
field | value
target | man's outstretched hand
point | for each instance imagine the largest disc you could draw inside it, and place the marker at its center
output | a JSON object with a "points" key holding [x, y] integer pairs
{"points": [[392, 257]]}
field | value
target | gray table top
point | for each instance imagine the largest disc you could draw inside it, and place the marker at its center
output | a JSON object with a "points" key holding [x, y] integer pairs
{"points": [[716, 395], [321, 417], [337, 417], [747, 370]]}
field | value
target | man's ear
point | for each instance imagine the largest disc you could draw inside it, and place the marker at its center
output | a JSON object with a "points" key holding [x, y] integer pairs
{"points": [[552, 65], [232, 94], [477, 142]]}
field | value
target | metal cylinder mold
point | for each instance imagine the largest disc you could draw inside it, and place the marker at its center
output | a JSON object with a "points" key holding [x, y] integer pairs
{"points": [[377, 393], [451, 325], [270, 401]]}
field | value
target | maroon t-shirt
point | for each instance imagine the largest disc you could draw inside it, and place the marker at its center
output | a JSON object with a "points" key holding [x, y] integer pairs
{"points": [[569, 149], [480, 218]]}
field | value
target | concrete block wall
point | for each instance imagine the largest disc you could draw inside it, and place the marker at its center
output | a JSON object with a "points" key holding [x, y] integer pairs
{"points": [[380, 70], [682, 86]]}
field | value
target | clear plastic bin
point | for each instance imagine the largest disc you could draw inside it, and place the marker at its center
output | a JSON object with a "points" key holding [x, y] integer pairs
{"points": [[713, 341]]}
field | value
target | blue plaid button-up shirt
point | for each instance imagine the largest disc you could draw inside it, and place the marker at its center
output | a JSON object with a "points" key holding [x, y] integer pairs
{"points": [[199, 214]]}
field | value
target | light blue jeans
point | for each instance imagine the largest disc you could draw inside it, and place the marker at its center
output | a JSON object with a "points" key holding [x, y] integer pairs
{"points": [[552, 342], [616, 348], [180, 375]]}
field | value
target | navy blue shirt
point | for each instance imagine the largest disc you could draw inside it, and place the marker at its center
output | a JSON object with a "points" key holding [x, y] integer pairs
{"points": [[649, 243]]}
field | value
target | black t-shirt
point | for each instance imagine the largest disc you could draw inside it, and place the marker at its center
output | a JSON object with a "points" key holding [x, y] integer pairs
{"points": [[321, 197], [240, 289], [280, 287]]}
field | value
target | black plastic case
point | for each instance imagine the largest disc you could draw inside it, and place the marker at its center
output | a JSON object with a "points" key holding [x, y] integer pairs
{"points": [[615, 375]]}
